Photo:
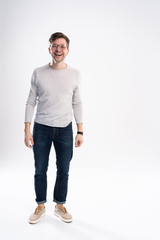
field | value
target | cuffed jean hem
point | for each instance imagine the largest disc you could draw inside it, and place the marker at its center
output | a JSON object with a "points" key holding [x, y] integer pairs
{"points": [[42, 202], [58, 202]]}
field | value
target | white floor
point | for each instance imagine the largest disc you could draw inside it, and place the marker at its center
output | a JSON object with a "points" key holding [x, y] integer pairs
{"points": [[110, 200]]}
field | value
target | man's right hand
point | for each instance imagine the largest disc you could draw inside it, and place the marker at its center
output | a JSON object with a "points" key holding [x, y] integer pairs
{"points": [[28, 139]]}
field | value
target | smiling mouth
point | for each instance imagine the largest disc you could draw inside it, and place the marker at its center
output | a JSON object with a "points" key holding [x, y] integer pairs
{"points": [[58, 54]]}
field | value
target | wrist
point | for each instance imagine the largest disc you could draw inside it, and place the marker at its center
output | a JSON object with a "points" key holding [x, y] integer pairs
{"points": [[27, 131], [80, 132], [79, 127], [27, 126]]}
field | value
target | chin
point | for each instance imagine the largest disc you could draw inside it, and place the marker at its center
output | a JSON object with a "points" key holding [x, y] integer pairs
{"points": [[58, 60]]}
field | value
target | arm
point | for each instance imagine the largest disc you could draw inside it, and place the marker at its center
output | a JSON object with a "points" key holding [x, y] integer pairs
{"points": [[79, 127], [77, 110], [32, 99], [29, 110]]}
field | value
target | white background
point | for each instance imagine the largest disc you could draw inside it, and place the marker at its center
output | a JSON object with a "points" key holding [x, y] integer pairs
{"points": [[114, 184]]}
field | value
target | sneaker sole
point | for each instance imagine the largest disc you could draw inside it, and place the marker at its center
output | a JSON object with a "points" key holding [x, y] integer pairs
{"points": [[38, 220], [64, 220]]}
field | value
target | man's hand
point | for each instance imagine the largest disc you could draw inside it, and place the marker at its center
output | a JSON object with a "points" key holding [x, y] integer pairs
{"points": [[28, 139], [78, 140]]}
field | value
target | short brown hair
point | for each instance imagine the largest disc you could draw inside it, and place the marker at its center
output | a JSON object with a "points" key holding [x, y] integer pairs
{"points": [[57, 35]]}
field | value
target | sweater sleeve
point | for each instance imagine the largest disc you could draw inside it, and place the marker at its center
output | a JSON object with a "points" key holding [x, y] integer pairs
{"points": [[32, 99], [77, 101]]}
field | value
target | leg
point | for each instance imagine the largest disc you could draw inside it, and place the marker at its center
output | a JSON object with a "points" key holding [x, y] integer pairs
{"points": [[41, 149], [63, 144]]}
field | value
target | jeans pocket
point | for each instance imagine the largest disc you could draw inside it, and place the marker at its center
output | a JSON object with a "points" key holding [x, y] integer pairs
{"points": [[40, 133]]}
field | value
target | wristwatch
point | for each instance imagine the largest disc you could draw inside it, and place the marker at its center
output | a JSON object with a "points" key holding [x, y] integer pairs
{"points": [[80, 133]]}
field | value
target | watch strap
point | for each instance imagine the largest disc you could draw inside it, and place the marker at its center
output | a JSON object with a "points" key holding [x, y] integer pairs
{"points": [[80, 132]]}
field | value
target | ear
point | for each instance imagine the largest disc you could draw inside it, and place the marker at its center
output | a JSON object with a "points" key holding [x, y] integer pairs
{"points": [[67, 51], [49, 50]]}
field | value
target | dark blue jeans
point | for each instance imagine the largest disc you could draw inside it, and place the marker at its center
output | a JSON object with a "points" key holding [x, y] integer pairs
{"points": [[62, 138]]}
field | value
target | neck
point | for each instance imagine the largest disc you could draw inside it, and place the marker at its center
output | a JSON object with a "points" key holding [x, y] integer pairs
{"points": [[58, 65]]}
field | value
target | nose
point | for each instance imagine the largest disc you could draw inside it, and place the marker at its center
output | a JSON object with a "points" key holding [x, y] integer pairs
{"points": [[58, 47]]}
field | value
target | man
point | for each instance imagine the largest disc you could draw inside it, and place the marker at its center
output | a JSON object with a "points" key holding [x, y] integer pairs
{"points": [[55, 87]]}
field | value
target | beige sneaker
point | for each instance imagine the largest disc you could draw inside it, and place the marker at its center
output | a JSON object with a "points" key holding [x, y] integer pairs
{"points": [[63, 214], [37, 215]]}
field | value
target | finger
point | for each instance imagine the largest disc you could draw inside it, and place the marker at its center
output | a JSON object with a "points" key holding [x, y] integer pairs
{"points": [[76, 143], [27, 143], [32, 142], [80, 143]]}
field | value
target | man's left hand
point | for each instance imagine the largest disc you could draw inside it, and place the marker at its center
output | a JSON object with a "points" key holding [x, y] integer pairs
{"points": [[78, 140]]}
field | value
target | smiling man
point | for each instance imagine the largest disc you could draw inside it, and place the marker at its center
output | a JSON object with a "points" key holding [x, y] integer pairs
{"points": [[55, 91]]}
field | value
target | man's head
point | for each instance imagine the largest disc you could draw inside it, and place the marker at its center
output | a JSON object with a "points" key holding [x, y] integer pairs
{"points": [[57, 35], [58, 46]]}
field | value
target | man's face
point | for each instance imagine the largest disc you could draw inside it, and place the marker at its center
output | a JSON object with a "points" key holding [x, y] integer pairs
{"points": [[58, 49]]}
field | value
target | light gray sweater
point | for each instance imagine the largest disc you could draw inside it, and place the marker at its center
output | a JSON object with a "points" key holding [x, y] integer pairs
{"points": [[57, 93]]}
